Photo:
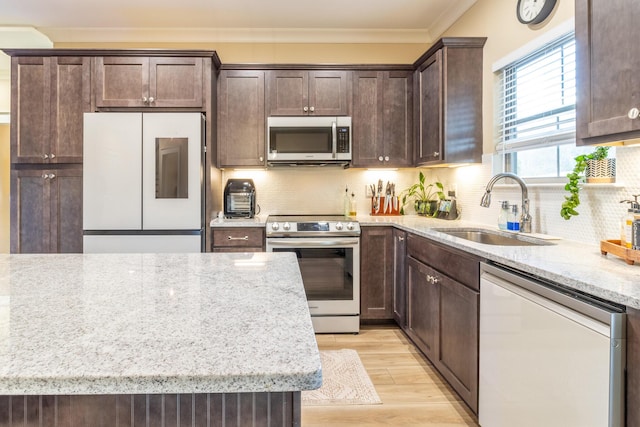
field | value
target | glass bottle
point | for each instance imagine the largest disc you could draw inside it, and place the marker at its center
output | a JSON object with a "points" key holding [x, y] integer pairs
{"points": [[503, 217]]}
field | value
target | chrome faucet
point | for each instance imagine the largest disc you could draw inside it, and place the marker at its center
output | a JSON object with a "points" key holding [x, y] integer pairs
{"points": [[525, 218]]}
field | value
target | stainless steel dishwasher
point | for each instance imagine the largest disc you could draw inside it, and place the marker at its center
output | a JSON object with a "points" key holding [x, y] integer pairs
{"points": [[549, 356]]}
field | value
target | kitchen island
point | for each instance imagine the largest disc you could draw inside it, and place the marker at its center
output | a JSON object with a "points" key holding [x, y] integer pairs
{"points": [[154, 339]]}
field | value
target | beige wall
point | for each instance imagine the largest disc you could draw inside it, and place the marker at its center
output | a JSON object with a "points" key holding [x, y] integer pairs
{"points": [[292, 53], [496, 20]]}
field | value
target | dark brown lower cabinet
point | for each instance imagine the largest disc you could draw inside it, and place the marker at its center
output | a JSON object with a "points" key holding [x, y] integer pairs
{"points": [[376, 273], [443, 312], [46, 210], [278, 409], [238, 239], [399, 277]]}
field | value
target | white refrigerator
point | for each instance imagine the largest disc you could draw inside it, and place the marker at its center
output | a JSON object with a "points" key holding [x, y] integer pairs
{"points": [[142, 182]]}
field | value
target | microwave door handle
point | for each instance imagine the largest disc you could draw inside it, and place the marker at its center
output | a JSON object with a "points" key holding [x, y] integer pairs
{"points": [[334, 138]]}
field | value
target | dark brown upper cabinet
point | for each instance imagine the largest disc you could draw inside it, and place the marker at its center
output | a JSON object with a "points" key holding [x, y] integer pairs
{"points": [[241, 118], [49, 96], [307, 92], [607, 71], [382, 118], [140, 81], [449, 102]]}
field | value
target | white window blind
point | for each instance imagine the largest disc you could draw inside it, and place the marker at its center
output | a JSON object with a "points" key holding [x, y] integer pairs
{"points": [[537, 97]]}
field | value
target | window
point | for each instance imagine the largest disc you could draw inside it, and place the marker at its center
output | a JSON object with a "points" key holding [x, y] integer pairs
{"points": [[536, 118]]}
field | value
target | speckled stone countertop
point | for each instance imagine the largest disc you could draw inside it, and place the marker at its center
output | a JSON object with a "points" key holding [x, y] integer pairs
{"points": [[573, 264], [258, 221], [155, 323]]}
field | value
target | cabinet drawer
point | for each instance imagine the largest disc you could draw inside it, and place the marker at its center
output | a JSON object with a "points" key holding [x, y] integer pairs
{"points": [[456, 264], [236, 237]]}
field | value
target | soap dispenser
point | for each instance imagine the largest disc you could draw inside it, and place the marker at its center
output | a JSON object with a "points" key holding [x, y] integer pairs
{"points": [[513, 221], [503, 217], [626, 229]]}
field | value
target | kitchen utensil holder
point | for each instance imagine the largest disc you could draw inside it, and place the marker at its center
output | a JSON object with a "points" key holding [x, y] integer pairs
{"points": [[390, 208]]}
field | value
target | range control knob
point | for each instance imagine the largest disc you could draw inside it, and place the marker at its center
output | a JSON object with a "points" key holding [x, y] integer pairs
{"points": [[286, 226], [350, 226], [275, 226], [339, 226]]}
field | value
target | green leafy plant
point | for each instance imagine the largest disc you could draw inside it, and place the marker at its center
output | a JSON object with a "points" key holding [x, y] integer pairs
{"points": [[424, 195], [576, 177]]}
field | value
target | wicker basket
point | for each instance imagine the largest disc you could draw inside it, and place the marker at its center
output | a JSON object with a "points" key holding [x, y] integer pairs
{"points": [[601, 171]]}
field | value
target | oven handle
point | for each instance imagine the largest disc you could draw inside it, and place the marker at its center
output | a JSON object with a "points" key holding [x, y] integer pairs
{"points": [[303, 242]]}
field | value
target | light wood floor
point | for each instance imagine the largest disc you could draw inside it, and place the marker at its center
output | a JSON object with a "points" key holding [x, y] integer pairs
{"points": [[412, 392]]}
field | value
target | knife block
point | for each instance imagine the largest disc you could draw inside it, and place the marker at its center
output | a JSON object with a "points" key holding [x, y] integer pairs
{"points": [[380, 202]]}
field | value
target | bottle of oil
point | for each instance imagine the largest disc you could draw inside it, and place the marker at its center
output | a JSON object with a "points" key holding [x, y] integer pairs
{"points": [[352, 205]]}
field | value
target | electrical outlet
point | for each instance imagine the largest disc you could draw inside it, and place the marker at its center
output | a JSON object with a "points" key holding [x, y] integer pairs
{"points": [[367, 191]]}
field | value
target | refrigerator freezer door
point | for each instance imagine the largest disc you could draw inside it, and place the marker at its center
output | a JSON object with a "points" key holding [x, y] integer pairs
{"points": [[142, 244], [112, 171], [171, 146]]}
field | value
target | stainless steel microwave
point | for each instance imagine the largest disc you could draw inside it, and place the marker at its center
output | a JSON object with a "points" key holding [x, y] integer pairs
{"points": [[308, 140]]}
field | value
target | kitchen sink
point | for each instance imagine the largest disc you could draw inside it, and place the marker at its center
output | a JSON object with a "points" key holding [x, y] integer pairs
{"points": [[491, 237]]}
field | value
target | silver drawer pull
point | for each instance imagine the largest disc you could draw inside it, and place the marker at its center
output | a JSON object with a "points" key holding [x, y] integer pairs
{"points": [[237, 238]]}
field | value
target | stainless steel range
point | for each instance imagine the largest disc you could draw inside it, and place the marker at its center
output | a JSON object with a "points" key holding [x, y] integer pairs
{"points": [[328, 251]]}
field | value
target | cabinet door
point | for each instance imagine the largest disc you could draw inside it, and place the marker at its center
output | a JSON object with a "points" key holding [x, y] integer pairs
{"points": [[398, 118], [376, 273], [607, 64], [175, 82], [46, 210], [368, 122], [400, 277], [30, 109], [71, 98], [241, 118], [122, 81], [430, 136], [30, 211], [288, 92], [65, 187], [458, 351], [423, 308], [328, 93], [382, 118]]}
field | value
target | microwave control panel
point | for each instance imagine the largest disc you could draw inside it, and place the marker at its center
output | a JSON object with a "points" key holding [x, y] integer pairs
{"points": [[343, 140]]}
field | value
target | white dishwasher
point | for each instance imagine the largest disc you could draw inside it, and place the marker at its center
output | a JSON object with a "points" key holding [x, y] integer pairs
{"points": [[548, 356]]}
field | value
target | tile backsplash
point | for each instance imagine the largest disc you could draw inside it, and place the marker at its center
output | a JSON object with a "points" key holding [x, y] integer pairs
{"points": [[321, 190]]}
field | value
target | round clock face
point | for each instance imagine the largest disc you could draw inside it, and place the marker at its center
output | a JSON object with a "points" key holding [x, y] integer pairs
{"points": [[534, 11]]}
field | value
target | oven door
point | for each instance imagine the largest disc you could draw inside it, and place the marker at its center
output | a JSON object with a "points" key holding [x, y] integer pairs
{"points": [[330, 268]]}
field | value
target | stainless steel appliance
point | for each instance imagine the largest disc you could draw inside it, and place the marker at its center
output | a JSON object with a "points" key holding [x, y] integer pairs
{"points": [[239, 198], [548, 355], [309, 141], [142, 189], [328, 251]]}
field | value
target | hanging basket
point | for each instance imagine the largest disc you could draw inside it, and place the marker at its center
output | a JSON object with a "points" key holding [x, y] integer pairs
{"points": [[601, 171]]}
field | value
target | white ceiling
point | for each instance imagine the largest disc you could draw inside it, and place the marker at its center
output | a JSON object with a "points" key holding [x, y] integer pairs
{"points": [[333, 21]]}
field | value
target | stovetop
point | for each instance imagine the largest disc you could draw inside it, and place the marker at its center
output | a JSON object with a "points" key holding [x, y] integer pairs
{"points": [[311, 225]]}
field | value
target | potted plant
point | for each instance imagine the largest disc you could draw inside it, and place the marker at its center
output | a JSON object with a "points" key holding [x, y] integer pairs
{"points": [[595, 167], [426, 197]]}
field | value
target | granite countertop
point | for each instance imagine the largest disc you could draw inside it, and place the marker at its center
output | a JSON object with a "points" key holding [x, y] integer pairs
{"points": [[257, 221], [155, 323], [569, 263]]}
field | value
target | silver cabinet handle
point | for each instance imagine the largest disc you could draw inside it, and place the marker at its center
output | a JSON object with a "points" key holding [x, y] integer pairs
{"points": [[151, 99], [386, 158], [53, 156], [52, 175], [312, 109], [380, 158], [633, 113], [432, 279], [45, 176], [305, 109], [237, 238], [261, 158], [400, 239], [48, 176], [145, 100], [45, 156], [436, 153]]}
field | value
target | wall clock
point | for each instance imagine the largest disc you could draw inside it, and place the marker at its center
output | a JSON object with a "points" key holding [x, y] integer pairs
{"points": [[533, 12]]}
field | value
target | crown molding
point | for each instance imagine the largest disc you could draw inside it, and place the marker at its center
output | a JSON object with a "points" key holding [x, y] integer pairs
{"points": [[235, 35]]}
